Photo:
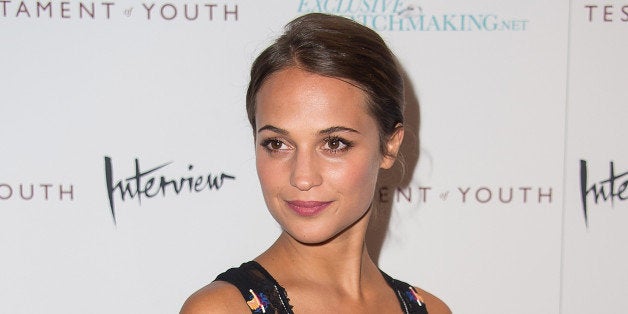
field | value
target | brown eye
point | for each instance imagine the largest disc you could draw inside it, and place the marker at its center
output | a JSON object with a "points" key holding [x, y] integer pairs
{"points": [[333, 143], [336, 144], [275, 144]]}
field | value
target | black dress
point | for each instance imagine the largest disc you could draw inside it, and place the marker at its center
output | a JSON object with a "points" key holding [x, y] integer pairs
{"points": [[263, 294]]}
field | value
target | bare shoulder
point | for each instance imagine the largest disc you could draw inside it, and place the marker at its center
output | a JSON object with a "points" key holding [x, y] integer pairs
{"points": [[433, 303], [217, 297]]}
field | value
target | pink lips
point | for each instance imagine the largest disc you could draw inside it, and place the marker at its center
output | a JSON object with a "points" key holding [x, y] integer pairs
{"points": [[307, 208]]}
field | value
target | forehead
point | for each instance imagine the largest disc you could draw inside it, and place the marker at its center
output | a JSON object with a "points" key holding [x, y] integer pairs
{"points": [[294, 95]]}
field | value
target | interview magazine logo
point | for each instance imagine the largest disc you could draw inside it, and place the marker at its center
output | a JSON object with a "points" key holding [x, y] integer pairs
{"points": [[414, 16], [609, 189], [150, 182]]}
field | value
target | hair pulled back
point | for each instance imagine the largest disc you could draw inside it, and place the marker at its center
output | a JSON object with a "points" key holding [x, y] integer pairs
{"points": [[334, 46]]}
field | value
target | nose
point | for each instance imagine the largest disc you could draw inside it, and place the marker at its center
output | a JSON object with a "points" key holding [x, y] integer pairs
{"points": [[305, 171]]}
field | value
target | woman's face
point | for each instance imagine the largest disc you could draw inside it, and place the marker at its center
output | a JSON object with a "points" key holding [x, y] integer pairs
{"points": [[317, 153]]}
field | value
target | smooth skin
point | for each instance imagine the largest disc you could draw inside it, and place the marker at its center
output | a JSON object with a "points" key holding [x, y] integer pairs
{"points": [[318, 157]]}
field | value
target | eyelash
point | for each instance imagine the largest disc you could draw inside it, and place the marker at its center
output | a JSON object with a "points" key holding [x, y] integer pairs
{"points": [[347, 144], [267, 142]]}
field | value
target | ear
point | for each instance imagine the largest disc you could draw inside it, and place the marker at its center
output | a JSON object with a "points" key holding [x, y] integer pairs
{"points": [[392, 147]]}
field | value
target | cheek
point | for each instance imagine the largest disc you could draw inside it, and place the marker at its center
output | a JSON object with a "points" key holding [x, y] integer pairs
{"points": [[269, 172], [264, 171], [357, 177]]}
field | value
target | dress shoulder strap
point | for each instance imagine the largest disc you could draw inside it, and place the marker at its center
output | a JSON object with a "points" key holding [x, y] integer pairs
{"points": [[260, 290], [411, 302]]}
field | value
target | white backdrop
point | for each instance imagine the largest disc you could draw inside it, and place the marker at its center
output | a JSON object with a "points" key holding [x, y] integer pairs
{"points": [[510, 96]]}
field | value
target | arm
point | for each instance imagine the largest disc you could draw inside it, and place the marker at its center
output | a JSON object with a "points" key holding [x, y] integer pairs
{"points": [[434, 304], [216, 298]]}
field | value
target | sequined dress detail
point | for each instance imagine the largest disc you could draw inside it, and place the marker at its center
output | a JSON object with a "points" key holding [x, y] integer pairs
{"points": [[263, 294]]}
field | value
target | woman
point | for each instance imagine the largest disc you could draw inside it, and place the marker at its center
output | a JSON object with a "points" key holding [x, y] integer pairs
{"points": [[326, 105]]}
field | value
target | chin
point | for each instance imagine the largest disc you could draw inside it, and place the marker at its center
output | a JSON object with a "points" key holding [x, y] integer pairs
{"points": [[325, 228], [311, 238], [317, 236]]}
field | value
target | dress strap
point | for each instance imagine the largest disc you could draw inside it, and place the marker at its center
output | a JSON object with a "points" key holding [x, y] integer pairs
{"points": [[411, 302], [263, 294], [260, 290]]}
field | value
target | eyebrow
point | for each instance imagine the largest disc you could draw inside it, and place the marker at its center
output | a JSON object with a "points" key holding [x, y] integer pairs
{"points": [[335, 129], [273, 129], [326, 131]]}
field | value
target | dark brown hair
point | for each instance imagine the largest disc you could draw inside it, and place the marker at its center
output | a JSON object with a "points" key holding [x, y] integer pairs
{"points": [[334, 46]]}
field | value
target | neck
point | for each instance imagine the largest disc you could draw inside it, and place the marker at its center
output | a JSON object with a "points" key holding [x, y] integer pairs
{"points": [[342, 261]]}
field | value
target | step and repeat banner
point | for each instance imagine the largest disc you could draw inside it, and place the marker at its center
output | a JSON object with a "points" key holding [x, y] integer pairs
{"points": [[127, 170]]}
